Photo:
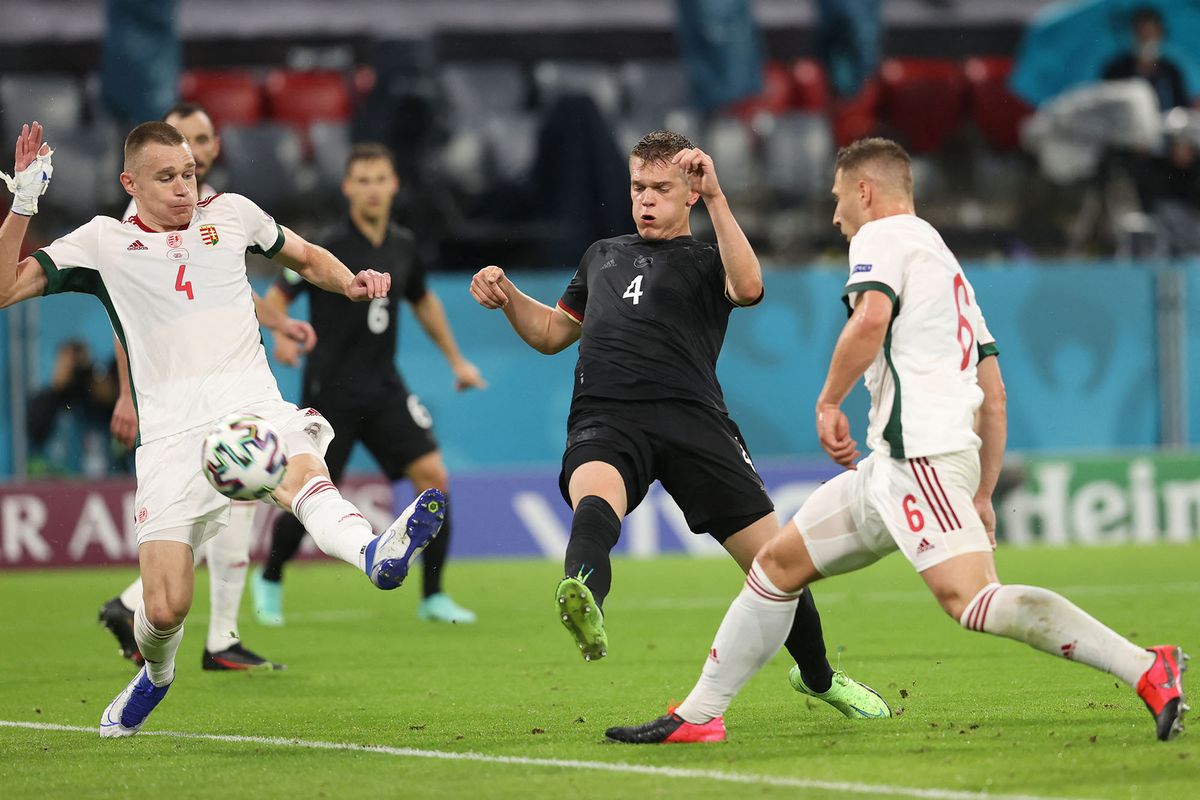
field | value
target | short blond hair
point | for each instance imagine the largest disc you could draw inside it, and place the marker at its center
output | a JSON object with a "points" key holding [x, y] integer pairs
{"points": [[151, 133], [892, 162]]}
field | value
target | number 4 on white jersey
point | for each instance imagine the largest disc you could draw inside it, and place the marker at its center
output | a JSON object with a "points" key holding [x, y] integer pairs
{"points": [[635, 290]]}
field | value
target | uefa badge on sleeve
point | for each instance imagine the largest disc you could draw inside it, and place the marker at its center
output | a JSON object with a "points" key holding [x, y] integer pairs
{"points": [[208, 233]]}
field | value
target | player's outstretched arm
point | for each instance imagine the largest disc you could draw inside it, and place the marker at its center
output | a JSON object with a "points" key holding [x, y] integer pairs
{"points": [[430, 312], [324, 270], [21, 280], [743, 274], [543, 328], [857, 346], [991, 423]]}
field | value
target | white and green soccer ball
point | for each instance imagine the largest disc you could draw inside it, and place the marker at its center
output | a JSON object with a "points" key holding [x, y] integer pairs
{"points": [[244, 457]]}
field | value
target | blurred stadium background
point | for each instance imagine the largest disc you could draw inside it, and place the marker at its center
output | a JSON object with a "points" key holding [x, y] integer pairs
{"points": [[510, 119]]}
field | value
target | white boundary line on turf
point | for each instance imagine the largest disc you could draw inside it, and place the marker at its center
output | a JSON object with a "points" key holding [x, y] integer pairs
{"points": [[554, 763]]}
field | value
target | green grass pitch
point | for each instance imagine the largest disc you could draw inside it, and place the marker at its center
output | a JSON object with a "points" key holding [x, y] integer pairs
{"points": [[975, 714]]}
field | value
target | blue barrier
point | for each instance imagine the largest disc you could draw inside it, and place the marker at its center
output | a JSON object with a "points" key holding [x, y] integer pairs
{"points": [[1078, 349]]}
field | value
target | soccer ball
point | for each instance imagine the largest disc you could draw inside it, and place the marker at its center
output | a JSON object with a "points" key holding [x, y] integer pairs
{"points": [[244, 457]]}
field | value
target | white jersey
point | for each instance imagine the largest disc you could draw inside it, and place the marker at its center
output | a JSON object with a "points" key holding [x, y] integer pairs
{"points": [[924, 392], [205, 191], [181, 306]]}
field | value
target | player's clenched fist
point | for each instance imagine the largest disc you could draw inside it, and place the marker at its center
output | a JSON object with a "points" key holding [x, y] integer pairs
{"points": [[701, 174], [490, 288], [369, 285]]}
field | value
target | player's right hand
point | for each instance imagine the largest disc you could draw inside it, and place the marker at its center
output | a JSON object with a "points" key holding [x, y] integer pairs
{"points": [[833, 430], [490, 288], [369, 285], [29, 146], [124, 421], [987, 513]]}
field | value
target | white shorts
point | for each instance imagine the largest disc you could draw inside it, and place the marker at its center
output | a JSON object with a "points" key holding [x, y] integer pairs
{"points": [[921, 506], [176, 503]]}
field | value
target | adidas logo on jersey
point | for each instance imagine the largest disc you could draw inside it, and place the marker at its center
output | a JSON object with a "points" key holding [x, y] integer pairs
{"points": [[924, 546], [137, 245], [612, 262]]}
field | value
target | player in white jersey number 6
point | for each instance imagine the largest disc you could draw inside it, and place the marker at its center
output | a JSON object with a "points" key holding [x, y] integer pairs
{"points": [[937, 430], [173, 280]]}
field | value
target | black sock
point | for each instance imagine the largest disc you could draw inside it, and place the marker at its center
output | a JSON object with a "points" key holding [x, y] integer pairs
{"points": [[807, 646], [286, 537], [433, 557], [595, 529]]}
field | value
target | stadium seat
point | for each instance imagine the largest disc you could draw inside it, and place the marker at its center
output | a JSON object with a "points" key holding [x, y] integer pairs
{"points": [[798, 155], [301, 98], [87, 167], [230, 98], [923, 100], [331, 146], [510, 145], [858, 116], [810, 85], [776, 96], [731, 145], [553, 79], [55, 100], [652, 86], [475, 90], [997, 112], [264, 162]]}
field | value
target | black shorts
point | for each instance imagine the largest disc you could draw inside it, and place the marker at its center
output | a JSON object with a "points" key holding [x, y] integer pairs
{"points": [[696, 452], [395, 428]]}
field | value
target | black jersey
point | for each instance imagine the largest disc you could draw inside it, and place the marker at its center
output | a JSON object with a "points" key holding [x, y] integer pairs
{"points": [[654, 315], [355, 357]]}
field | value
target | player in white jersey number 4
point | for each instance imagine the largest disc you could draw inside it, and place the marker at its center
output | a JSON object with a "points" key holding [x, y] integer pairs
{"points": [[936, 432], [173, 280]]}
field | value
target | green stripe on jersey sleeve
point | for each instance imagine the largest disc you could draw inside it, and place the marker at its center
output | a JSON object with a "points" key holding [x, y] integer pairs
{"points": [[989, 349], [69, 279], [274, 249]]}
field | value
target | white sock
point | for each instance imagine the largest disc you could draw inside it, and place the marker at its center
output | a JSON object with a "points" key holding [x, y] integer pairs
{"points": [[753, 630], [131, 598], [1053, 624], [337, 527], [228, 561], [157, 647]]}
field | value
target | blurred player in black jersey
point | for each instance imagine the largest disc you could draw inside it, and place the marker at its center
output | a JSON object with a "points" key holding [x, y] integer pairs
{"points": [[351, 377], [650, 312]]}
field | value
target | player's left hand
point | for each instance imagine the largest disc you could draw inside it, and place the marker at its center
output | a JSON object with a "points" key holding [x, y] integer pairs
{"points": [[467, 376], [300, 332], [369, 285], [833, 429], [987, 513], [697, 165]]}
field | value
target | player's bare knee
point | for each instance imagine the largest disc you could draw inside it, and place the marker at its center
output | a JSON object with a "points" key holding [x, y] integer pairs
{"points": [[780, 566], [164, 612]]}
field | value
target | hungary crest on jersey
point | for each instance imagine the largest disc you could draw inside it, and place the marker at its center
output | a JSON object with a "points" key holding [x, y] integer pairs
{"points": [[209, 234]]}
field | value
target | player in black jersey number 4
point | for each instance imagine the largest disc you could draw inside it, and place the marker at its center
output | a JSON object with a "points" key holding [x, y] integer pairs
{"points": [[650, 312], [351, 374]]}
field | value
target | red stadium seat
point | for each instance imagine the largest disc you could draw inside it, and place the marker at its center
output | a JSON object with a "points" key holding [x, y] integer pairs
{"points": [[230, 98], [776, 96], [997, 111], [858, 116], [923, 100], [302, 98], [810, 87]]}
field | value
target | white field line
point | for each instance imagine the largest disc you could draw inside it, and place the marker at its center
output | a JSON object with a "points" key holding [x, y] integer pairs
{"points": [[881, 790], [903, 596]]}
